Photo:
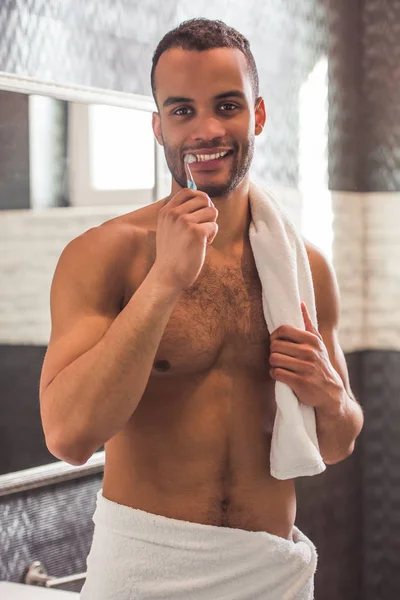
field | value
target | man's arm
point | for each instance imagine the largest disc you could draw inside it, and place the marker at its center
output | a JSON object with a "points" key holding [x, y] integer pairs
{"points": [[340, 421], [99, 358]]}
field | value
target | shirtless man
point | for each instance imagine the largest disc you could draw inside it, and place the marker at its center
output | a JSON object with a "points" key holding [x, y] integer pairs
{"points": [[159, 348]]}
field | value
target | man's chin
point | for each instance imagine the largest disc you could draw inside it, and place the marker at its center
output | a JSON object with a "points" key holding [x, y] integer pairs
{"points": [[214, 191], [216, 188]]}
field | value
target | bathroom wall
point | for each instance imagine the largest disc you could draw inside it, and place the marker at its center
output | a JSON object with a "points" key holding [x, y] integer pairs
{"points": [[109, 44], [368, 75], [51, 524], [14, 150], [30, 245]]}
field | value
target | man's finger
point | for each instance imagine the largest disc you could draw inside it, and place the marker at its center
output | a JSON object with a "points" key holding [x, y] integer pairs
{"points": [[307, 321], [309, 325], [292, 334]]}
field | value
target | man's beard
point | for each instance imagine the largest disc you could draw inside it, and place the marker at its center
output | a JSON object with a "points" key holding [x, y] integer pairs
{"points": [[239, 169]]}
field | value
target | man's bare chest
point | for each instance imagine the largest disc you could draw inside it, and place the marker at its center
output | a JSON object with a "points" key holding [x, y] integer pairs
{"points": [[218, 319]]}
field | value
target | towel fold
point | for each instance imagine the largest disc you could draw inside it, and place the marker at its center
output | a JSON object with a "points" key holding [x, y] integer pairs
{"points": [[284, 271], [136, 555]]}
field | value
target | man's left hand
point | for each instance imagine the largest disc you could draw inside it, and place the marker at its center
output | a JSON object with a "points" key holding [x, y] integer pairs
{"points": [[300, 359]]}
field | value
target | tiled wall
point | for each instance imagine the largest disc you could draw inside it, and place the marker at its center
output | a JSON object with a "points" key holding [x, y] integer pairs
{"points": [[366, 255], [30, 245], [52, 525]]}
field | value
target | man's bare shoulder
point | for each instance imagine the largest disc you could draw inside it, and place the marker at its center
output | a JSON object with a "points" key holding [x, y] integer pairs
{"points": [[320, 265], [102, 246], [102, 259], [109, 242], [143, 219], [326, 288], [314, 253]]}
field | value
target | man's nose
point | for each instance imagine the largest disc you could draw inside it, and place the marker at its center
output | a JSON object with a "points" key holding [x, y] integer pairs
{"points": [[208, 128]]}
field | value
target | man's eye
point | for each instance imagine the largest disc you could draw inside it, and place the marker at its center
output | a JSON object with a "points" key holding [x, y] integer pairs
{"points": [[182, 112], [228, 106]]}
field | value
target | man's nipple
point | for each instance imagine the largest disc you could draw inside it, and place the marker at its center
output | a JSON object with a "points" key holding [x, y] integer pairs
{"points": [[162, 365]]}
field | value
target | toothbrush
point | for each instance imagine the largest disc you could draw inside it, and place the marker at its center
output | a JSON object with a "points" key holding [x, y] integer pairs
{"points": [[189, 158]]}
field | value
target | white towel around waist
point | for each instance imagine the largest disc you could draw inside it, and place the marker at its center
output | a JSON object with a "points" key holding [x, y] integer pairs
{"points": [[136, 555]]}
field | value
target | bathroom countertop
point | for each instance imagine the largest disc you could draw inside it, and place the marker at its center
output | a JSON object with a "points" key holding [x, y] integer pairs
{"points": [[20, 591]]}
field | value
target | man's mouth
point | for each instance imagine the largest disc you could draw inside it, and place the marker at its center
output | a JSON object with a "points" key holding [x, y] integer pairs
{"points": [[209, 160]]}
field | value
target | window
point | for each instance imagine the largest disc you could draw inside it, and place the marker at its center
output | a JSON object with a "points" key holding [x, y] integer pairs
{"points": [[112, 154], [317, 216]]}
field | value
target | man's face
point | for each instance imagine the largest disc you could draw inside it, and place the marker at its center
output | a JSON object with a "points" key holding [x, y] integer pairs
{"points": [[207, 108]]}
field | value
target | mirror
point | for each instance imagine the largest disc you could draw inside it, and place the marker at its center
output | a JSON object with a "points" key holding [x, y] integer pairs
{"points": [[69, 160]]}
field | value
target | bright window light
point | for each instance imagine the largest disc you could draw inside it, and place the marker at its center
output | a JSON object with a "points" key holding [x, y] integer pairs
{"points": [[121, 148], [317, 216]]}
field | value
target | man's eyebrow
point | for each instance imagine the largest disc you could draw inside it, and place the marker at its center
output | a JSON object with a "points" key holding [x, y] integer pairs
{"points": [[182, 99], [231, 94], [176, 100]]}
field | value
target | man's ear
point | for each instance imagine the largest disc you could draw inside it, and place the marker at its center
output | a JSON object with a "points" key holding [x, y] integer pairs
{"points": [[261, 116], [156, 124]]}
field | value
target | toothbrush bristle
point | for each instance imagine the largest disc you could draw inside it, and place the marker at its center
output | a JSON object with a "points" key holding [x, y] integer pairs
{"points": [[189, 158]]}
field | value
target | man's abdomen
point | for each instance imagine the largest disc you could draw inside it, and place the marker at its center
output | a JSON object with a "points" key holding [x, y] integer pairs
{"points": [[200, 453]]}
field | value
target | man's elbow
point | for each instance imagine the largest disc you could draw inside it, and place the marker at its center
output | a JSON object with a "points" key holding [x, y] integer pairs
{"points": [[72, 454], [338, 457]]}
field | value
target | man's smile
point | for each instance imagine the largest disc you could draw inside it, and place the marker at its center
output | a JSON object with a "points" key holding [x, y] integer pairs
{"points": [[206, 161]]}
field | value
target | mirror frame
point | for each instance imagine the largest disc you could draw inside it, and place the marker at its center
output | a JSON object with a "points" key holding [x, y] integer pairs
{"points": [[58, 471]]}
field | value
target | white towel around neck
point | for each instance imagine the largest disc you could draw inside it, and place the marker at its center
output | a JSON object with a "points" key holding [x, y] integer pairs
{"points": [[284, 271]]}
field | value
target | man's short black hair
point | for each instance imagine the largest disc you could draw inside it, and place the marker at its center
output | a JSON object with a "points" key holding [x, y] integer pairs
{"points": [[202, 34]]}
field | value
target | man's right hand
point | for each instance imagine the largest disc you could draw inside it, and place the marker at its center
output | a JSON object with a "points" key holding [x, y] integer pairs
{"points": [[185, 226]]}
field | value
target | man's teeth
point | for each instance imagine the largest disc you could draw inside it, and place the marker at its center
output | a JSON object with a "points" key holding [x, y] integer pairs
{"points": [[205, 157]]}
